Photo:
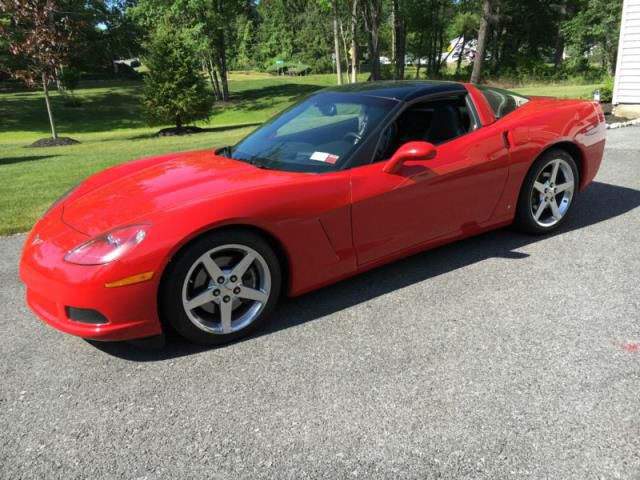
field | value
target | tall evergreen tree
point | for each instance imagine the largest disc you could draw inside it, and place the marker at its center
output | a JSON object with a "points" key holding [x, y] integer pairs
{"points": [[175, 91]]}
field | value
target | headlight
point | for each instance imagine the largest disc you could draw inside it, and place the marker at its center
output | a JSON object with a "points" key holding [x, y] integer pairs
{"points": [[109, 246], [60, 200]]}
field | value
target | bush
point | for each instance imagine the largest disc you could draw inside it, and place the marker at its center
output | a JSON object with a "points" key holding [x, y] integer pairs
{"points": [[606, 91], [289, 68], [175, 91]]}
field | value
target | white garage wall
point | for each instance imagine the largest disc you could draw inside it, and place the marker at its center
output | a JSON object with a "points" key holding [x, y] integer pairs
{"points": [[627, 82]]}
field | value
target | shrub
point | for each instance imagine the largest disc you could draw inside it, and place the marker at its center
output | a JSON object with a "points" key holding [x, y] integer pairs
{"points": [[606, 91]]}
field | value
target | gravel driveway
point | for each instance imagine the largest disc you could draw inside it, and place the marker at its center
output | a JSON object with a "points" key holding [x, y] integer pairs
{"points": [[502, 356]]}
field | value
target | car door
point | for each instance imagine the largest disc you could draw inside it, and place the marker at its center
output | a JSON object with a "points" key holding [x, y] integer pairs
{"points": [[451, 194]]}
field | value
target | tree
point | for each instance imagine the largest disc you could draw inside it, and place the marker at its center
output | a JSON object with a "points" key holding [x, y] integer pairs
{"points": [[354, 41], [372, 16], [41, 35], [398, 37], [596, 24], [482, 41], [175, 92], [336, 40]]}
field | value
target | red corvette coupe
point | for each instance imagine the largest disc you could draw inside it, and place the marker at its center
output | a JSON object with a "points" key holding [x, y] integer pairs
{"points": [[348, 179]]}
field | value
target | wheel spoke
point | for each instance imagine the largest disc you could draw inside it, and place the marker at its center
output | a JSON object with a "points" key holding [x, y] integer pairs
{"points": [[212, 267], [565, 186], [539, 187], [253, 294], [554, 171], [199, 300], [243, 264], [541, 207], [225, 316], [554, 209]]}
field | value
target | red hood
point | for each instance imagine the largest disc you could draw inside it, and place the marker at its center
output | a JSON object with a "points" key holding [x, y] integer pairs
{"points": [[135, 191]]}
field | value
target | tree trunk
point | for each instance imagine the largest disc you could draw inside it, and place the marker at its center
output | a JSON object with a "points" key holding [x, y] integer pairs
{"points": [[222, 65], [461, 54], [394, 30], [336, 42], [418, 65], [397, 40], [214, 80], [559, 52], [374, 56], [345, 50], [401, 46], [371, 15], [45, 87], [482, 42], [354, 42]]}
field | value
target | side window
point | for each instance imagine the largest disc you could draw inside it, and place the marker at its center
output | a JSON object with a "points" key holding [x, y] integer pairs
{"points": [[502, 102], [435, 121]]}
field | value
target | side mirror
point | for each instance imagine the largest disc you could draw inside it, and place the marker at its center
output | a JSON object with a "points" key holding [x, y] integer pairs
{"points": [[410, 151]]}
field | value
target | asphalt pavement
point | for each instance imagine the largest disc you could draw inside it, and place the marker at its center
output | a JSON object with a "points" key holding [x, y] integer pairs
{"points": [[501, 356]]}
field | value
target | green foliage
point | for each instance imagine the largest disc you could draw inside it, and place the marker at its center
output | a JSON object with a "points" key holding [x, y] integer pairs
{"points": [[175, 91], [289, 68], [606, 91], [294, 31], [595, 24], [69, 78]]}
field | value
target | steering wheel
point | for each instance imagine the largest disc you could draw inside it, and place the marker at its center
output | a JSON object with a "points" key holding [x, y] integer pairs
{"points": [[354, 136]]}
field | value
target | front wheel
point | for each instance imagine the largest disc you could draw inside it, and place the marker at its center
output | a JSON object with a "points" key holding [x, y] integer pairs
{"points": [[548, 193], [221, 287]]}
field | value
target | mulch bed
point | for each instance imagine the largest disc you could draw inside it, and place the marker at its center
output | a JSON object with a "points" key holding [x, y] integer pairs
{"points": [[50, 142], [173, 131], [609, 117]]}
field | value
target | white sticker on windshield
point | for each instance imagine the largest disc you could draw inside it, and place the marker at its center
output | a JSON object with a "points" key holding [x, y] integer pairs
{"points": [[324, 157]]}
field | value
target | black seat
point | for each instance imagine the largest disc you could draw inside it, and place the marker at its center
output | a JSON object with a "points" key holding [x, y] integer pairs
{"points": [[445, 125]]}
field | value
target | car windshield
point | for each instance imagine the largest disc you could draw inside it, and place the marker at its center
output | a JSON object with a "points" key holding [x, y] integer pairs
{"points": [[317, 135]]}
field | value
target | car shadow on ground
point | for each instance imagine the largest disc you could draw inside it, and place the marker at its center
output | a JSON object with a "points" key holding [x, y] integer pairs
{"points": [[598, 203]]}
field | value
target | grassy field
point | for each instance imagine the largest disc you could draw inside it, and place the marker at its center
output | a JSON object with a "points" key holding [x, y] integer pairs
{"points": [[111, 126]]}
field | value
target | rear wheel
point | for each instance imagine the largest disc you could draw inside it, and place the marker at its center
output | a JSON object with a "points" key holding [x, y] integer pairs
{"points": [[548, 193], [221, 287]]}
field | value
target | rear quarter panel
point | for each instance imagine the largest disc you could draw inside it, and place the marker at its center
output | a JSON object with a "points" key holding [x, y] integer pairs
{"points": [[543, 123]]}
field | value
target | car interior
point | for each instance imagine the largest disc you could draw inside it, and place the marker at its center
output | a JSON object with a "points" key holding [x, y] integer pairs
{"points": [[436, 121]]}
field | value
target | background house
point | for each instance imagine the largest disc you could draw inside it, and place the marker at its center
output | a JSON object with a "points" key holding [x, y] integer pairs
{"points": [[626, 92]]}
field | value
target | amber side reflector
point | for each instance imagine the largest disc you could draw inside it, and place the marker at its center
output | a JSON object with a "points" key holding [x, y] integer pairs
{"points": [[140, 277]]}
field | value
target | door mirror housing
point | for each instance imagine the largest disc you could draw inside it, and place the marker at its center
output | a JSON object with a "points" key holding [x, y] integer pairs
{"points": [[415, 151]]}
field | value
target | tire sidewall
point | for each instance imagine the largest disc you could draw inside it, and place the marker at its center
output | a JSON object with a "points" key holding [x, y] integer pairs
{"points": [[170, 305]]}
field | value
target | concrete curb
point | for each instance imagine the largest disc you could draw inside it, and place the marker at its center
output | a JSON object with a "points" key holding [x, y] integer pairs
{"points": [[628, 123]]}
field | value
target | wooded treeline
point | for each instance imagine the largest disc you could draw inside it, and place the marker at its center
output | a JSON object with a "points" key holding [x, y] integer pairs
{"points": [[534, 37], [44, 41]]}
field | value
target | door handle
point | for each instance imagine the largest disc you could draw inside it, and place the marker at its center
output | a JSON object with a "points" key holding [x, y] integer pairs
{"points": [[506, 139]]}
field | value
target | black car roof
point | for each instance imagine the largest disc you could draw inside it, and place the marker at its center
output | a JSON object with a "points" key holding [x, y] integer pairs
{"points": [[404, 90]]}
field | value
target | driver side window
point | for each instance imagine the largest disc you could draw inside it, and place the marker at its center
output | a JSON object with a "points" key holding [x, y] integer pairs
{"points": [[436, 121]]}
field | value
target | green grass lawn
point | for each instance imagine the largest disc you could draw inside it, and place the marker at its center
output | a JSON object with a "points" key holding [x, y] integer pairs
{"points": [[110, 124]]}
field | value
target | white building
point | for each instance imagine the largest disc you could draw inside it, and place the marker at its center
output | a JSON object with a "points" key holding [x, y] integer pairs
{"points": [[626, 92]]}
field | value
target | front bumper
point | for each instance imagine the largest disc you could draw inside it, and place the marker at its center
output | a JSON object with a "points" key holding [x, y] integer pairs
{"points": [[54, 285]]}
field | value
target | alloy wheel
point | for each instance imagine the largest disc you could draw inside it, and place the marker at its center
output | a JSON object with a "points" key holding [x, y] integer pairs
{"points": [[226, 289], [552, 193]]}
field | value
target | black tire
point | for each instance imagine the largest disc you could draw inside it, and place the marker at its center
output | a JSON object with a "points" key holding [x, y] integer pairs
{"points": [[170, 300], [524, 218]]}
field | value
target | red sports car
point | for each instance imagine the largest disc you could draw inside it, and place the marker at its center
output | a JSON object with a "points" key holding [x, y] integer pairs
{"points": [[348, 179]]}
